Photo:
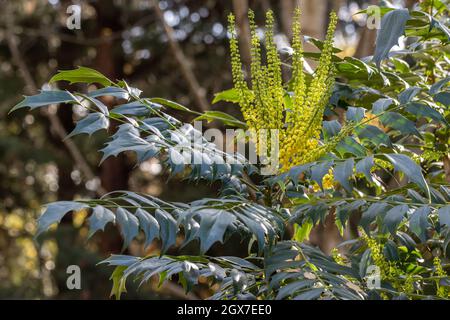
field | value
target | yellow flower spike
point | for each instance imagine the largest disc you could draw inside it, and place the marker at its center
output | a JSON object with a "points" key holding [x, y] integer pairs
{"points": [[274, 78], [320, 86], [298, 75], [377, 255], [236, 69], [337, 256], [256, 73], [299, 131], [442, 291]]}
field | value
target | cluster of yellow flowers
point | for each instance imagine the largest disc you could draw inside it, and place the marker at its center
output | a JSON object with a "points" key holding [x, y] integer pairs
{"points": [[337, 257], [376, 250], [327, 182], [442, 291], [391, 272], [297, 113]]}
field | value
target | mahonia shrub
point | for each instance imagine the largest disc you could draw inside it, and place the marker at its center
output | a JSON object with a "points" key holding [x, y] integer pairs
{"points": [[382, 177], [297, 114]]}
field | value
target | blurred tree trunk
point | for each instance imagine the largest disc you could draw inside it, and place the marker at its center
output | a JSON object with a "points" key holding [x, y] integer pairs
{"points": [[446, 161], [67, 54], [314, 17], [265, 5], [366, 44], [314, 22], [410, 3], [240, 8], [114, 171], [287, 9]]}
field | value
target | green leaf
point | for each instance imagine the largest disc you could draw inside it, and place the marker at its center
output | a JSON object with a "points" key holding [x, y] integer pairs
{"points": [[331, 128], [221, 116], [230, 95], [177, 161], [118, 282], [135, 92], [375, 210], [168, 229], [407, 95], [149, 225], [424, 110], [394, 217], [401, 65], [135, 108], [81, 75], [316, 56], [398, 122], [418, 222], [240, 262], [343, 213], [310, 294], [351, 146], [319, 44], [293, 287], [381, 105], [443, 98], [129, 225], [256, 227], [100, 105], [353, 67], [302, 231], [319, 171], [374, 135], [392, 27], [436, 196], [355, 114], [45, 98], [116, 92], [170, 104], [435, 88], [416, 197], [440, 26], [364, 166], [438, 5], [125, 139], [55, 212], [404, 164], [213, 225], [342, 173], [90, 124], [99, 218], [120, 260], [444, 216], [364, 263]]}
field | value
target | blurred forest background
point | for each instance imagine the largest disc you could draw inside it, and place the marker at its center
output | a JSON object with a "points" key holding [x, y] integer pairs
{"points": [[176, 49]]}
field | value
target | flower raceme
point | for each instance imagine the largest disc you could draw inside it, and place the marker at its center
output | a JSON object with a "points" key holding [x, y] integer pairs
{"points": [[294, 110]]}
